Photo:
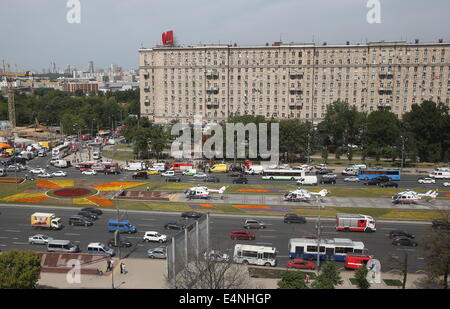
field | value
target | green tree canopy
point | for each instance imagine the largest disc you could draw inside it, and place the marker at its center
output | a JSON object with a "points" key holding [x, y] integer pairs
{"points": [[292, 280], [328, 278], [19, 269]]}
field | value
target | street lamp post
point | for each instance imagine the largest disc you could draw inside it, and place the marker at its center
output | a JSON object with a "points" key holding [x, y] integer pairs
{"points": [[318, 234], [403, 150]]}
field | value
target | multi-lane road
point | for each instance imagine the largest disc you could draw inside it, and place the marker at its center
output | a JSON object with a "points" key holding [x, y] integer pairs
{"points": [[408, 181], [15, 229]]}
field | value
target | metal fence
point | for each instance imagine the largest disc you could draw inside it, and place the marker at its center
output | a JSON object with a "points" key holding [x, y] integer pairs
{"points": [[187, 245]]}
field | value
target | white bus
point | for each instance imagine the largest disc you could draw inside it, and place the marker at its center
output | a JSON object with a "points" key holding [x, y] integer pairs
{"points": [[255, 255], [60, 151], [330, 249], [283, 174]]}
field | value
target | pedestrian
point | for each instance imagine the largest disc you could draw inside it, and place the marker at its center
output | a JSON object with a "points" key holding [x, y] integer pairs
{"points": [[108, 268], [148, 188], [122, 268], [307, 278], [112, 265]]}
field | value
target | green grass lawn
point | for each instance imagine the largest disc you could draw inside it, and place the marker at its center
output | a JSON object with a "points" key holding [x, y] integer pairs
{"points": [[118, 155]]}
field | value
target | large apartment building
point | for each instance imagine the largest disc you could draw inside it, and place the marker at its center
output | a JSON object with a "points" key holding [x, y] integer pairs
{"points": [[286, 81]]}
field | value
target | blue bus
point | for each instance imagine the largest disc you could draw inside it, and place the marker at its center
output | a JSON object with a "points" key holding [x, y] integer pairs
{"points": [[366, 174]]}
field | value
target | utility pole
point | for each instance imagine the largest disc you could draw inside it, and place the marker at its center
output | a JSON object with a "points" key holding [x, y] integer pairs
{"points": [[318, 234], [403, 150]]}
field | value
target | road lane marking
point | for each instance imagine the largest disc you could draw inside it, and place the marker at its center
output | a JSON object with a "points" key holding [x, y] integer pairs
{"points": [[20, 243], [149, 219], [264, 243], [72, 234], [268, 236], [13, 231], [1, 237]]}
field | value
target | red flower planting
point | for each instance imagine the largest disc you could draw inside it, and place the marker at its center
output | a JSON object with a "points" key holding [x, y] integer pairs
{"points": [[72, 192]]}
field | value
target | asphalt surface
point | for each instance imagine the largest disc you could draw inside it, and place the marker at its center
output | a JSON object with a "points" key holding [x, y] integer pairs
{"points": [[15, 229]]}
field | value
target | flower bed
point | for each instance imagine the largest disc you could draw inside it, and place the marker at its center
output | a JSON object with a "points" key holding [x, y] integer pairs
{"points": [[100, 201], [71, 193], [117, 186], [47, 184], [11, 180]]}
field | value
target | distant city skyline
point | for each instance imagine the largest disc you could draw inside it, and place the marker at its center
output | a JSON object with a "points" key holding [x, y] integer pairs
{"points": [[36, 33]]}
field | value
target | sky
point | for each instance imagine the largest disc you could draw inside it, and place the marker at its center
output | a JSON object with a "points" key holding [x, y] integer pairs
{"points": [[35, 33]]}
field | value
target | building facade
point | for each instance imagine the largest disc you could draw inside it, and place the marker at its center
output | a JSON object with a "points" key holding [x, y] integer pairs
{"points": [[286, 81]]}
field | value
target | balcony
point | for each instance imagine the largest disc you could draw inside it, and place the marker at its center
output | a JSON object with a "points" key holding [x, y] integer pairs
{"points": [[295, 92], [211, 105], [147, 89], [212, 75], [296, 76], [383, 91], [212, 91]]}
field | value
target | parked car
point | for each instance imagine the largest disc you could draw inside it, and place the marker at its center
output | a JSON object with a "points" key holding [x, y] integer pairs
{"points": [[242, 234], [123, 242], [94, 210], [254, 224], [351, 179], [157, 253], [294, 218], [192, 214], [300, 264], [211, 179], [89, 172], [441, 224], [154, 237], [235, 174], [399, 233], [59, 174], [87, 214], [404, 241], [174, 226], [173, 179], [39, 239], [13, 168], [80, 220], [241, 180], [140, 175], [426, 180], [388, 184]]}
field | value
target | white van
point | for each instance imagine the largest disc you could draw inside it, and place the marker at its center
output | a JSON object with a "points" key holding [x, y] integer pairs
{"points": [[62, 246], [255, 170], [308, 180], [440, 175], [99, 248], [350, 171]]}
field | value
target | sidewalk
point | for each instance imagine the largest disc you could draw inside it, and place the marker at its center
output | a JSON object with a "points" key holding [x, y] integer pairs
{"points": [[141, 274]]}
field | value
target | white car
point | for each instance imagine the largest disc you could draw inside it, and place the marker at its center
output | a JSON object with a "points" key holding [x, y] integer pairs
{"points": [[59, 174], [168, 174], [426, 180], [446, 184], [44, 175], [200, 175], [39, 239], [89, 172], [351, 179], [155, 236], [37, 171]]}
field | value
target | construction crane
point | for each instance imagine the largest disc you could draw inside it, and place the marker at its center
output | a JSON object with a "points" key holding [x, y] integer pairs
{"points": [[10, 78]]}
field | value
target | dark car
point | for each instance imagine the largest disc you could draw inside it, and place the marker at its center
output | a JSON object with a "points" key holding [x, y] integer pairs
{"points": [[87, 214], [191, 214], [123, 242], [241, 180], [441, 224], [94, 210], [294, 218], [404, 241], [372, 182], [211, 179], [235, 174], [241, 234], [80, 220], [173, 179], [140, 175], [174, 226], [328, 180], [324, 171], [383, 178], [400, 233], [388, 184]]}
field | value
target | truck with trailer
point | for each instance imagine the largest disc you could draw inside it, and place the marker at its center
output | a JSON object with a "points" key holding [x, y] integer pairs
{"points": [[46, 221], [355, 223]]}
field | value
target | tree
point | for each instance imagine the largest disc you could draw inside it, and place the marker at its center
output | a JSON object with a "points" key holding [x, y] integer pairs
{"points": [[361, 278], [292, 280], [328, 278], [294, 137], [437, 254], [429, 125], [19, 269], [203, 273], [398, 265]]}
